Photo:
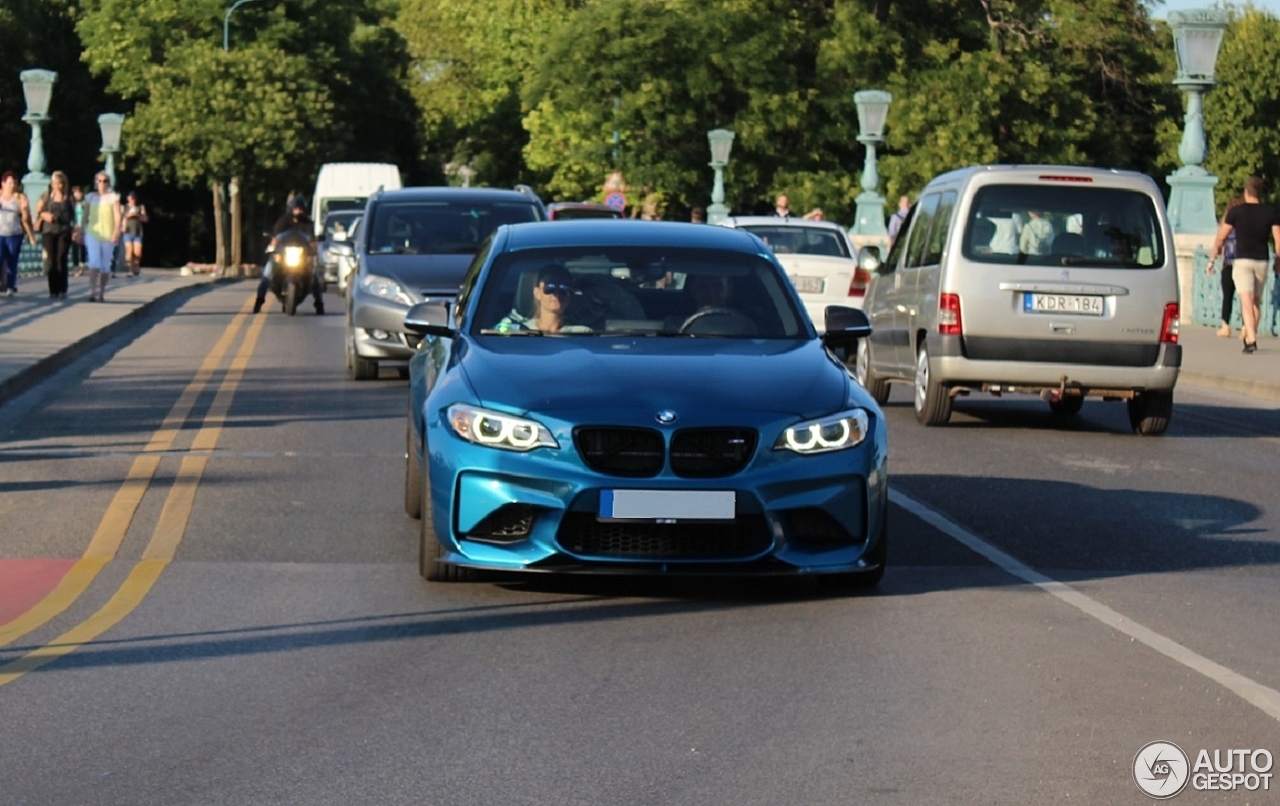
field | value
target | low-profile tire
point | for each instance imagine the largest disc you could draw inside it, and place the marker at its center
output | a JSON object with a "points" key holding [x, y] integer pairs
{"points": [[1150, 412], [1067, 406], [931, 400], [878, 388], [291, 298], [362, 369], [412, 475], [861, 580]]}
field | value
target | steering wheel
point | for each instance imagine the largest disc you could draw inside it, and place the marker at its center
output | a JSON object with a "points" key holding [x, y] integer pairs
{"points": [[735, 323]]}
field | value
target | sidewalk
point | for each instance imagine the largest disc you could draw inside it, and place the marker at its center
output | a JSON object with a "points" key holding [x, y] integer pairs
{"points": [[38, 335]]}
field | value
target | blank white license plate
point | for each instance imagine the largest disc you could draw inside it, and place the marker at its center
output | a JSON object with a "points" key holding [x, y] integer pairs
{"points": [[1062, 303], [667, 505], [808, 285]]}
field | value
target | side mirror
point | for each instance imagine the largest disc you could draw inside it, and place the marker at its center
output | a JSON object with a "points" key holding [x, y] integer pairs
{"points": [[429, 319], [339, 236], [845, 326], [342, 249], [869, 260]]}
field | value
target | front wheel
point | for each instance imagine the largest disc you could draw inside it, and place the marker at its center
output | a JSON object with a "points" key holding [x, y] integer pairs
{"points": [[1150, 412], [932, 402], [878, 388], [412, 475], [291, 298]]}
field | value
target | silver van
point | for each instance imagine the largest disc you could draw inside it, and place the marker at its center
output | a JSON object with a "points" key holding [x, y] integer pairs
{"points": [[1051, 280]]}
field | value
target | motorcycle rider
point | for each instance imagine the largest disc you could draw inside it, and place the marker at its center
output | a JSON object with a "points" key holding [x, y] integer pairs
{"points": [[295, 218]]}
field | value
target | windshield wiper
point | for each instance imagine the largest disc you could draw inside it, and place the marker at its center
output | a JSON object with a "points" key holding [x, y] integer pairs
{"points": [[496, 332]]}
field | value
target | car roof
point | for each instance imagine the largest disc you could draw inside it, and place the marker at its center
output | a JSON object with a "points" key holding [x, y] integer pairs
{"points": [[778, 221], [628, 232], [454, 194]]}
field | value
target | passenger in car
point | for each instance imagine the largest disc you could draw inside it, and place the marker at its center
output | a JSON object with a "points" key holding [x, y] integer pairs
{"points": [[551, 294], [1037, 234]]}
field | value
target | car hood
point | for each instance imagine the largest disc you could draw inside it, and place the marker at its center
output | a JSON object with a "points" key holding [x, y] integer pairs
{"points": [[558, 375], [421, 272]]}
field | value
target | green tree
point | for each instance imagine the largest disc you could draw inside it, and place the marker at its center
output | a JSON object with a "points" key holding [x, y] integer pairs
{"points": [[1242, 112]]}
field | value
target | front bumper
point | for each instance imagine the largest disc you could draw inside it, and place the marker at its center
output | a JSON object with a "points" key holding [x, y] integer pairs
{"points": [[369, 314], [538, 512]]}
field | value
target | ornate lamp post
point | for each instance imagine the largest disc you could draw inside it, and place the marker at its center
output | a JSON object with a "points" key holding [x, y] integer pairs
{"points": [[873, 108], [1197, 35], [721, 144], [110, 124], [37, 88]]}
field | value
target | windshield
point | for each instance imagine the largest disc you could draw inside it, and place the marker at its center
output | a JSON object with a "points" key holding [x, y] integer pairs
{"points": [[646, 291], [335, 223], [440, 227], [800, 240], [1064, 226]]}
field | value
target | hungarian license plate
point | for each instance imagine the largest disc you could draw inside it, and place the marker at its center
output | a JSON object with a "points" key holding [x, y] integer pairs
{"points": [[667, 505], [1075, 304], [808, 285]]}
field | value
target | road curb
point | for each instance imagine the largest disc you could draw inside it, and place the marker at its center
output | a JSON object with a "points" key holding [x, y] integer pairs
{"points": [[29, 376], [1265, 390]]}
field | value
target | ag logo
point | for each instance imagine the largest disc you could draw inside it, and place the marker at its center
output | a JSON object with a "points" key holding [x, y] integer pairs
{"points": [[1160, 770]]}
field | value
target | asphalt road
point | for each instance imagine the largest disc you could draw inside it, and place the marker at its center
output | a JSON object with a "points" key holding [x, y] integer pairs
{"points": [[238, 618]]}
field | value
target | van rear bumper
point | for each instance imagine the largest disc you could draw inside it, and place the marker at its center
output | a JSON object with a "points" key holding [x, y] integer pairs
{"points": [[950, 366]]}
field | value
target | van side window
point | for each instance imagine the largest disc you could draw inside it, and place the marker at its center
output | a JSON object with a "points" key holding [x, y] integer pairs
{"points": [[940, 229], [919, 235]]}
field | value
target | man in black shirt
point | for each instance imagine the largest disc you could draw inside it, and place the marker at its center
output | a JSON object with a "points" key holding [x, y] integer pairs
{"points": [[1256, 226]]}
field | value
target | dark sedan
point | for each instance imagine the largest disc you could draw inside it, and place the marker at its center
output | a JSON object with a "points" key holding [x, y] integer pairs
{"points": [[413, 245]]}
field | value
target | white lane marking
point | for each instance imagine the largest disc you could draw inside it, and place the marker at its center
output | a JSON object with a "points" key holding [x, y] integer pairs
{"points": [[1265, 699]]}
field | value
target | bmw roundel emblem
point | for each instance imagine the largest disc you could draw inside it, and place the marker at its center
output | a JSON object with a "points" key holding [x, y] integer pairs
{"points": [[666, 416]]}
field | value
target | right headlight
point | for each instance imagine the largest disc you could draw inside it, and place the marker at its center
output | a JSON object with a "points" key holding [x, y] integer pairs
{"points": [[497, 430], [837, 432], [385, 288]]}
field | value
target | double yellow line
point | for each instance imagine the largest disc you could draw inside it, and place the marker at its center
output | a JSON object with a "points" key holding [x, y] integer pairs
{"points": [[115, 522]]}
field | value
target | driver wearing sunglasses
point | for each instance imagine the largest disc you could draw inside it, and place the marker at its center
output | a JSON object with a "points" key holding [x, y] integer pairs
{"points": [[552, 294]]}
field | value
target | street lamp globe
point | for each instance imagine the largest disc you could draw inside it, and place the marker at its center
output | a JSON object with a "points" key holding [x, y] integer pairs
{"points": [[110, 123], [721, 141], [37, 88], [721, 144], [1197, 37], [868, 226]]}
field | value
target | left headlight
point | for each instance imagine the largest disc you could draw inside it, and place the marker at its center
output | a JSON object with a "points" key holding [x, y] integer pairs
{"points": [[497, 430], [835, 433], [385, 288], [294, 255]]}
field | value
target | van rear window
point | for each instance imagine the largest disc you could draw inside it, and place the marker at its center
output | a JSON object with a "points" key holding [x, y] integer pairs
{"points": [[1064, 226]]}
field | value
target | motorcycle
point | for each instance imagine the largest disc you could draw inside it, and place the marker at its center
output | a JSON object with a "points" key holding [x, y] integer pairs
{"points": [[293, 268]]}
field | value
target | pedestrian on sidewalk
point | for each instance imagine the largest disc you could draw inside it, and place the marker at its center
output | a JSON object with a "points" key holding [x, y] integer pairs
{"points": [[15, 222], [135, 215], [103, 220], [1228, 283], [77, 230], [54, 219], [1253, 222]]}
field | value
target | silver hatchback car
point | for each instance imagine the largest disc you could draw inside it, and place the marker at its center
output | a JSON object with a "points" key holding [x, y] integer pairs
{"points": [[1052, 280]]}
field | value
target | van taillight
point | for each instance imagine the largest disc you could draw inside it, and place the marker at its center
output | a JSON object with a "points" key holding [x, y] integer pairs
{"points": [[1169, 327], [858, 285], [949, 314]]}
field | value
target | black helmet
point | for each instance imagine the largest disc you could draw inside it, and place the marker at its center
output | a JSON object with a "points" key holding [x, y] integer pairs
{"points": [[298, 202]]}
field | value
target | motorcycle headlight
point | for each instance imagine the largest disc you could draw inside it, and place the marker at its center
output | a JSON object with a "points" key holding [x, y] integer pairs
{"points": [[835, 433], [497, 430], [385, 288], [294, 256]]}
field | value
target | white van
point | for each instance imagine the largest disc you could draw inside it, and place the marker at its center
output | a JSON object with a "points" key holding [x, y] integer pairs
{"points": [[348, 185], [1084, 303]]}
